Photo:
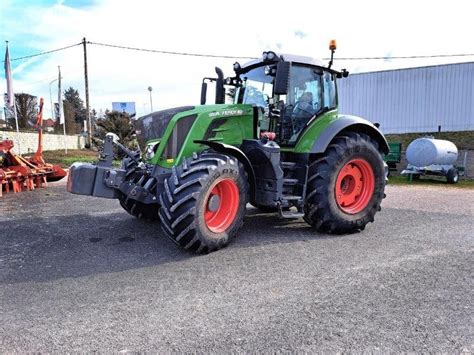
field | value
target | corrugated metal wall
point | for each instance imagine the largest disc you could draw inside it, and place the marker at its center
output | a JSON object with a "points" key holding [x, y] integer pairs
{"points": [[412, 100]]}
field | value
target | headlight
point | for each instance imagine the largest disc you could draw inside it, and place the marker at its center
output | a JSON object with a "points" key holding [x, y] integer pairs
{"points": [[264, 56], [271, 55]]}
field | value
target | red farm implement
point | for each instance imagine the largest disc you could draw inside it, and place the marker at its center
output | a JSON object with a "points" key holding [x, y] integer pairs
{"points": [[18, 173]]}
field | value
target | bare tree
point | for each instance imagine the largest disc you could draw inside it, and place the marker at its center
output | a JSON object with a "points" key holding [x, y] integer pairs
{"points": [[26, 109]]}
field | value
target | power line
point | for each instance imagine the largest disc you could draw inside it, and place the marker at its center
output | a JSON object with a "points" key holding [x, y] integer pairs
{"points": [[245, 57], [169, 52], [233, 57], [46, 52]]}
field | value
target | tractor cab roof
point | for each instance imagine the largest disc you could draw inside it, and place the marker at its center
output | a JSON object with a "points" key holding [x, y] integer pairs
{"points": [[283, 57]]}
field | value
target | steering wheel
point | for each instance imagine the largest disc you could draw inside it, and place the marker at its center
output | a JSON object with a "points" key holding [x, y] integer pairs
{"points": [[306, 108]]}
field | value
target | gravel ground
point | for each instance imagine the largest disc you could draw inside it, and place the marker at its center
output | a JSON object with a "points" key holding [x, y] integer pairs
{"points": [[79, 274]]}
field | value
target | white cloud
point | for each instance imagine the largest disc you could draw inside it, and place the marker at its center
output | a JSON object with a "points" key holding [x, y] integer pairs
{"points": [[244, 28]]}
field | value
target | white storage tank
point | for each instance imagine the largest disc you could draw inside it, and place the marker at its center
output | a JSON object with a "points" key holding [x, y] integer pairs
{"points": [[427, 151]]}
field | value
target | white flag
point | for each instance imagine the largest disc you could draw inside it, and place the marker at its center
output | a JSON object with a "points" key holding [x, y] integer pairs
{"points": [[60, 100], [11, 96], [8, 75]]}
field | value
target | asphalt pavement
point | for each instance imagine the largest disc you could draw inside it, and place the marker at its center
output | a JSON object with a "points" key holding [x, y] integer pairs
{"points": [[79, 274]]}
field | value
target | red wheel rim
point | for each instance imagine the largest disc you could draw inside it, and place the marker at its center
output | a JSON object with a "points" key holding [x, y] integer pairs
{"points": [[222, 204], [355, 185]]}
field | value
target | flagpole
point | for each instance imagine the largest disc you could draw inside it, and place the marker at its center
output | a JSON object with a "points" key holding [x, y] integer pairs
{"points": [[60, 109], [11, 103]]}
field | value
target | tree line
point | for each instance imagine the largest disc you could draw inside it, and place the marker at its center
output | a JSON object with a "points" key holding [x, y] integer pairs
{"points": [[27, 110], [75, 114]]}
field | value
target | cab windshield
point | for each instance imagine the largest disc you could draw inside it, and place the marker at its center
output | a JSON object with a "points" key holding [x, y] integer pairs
{"points": [[311, 91], [257, 88]]}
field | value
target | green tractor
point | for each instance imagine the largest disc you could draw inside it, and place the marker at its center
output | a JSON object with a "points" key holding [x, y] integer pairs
{"points": [[281, 146]]}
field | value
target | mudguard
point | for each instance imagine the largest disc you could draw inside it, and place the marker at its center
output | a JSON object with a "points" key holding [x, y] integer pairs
{"points": [[237, 153], [349, 124]]}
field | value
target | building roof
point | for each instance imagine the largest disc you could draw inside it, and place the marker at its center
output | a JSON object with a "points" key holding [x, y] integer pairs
{"points": [[49, 122], [413, 68]]}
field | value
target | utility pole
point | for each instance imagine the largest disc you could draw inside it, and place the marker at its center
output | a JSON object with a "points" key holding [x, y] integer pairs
{"points": [[86, 80]]}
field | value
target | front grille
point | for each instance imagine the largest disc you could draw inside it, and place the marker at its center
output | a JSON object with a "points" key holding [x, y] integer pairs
{"points": [[153, 126], [178, 136]]}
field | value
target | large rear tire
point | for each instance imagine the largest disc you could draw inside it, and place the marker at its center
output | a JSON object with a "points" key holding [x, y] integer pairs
{"points": [[345, 185], [203, 202]]}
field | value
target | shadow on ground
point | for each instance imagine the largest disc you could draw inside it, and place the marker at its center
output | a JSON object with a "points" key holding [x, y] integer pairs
{"points": [[48, 248]]}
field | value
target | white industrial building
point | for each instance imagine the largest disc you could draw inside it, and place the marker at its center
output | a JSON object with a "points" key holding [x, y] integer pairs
{"points": [[412, 100]]}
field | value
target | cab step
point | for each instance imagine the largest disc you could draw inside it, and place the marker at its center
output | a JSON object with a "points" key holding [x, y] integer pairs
{"points": [[291, 214], [288, 165], [289, 200], [291, 197], [290, 182]]}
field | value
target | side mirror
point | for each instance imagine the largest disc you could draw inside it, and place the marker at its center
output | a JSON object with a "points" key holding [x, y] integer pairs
{"points": [[203, 93], [220, 86], [282, 78]]}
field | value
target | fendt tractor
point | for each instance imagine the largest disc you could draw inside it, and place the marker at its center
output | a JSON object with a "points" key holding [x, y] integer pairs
{"points": [[281, 146]]}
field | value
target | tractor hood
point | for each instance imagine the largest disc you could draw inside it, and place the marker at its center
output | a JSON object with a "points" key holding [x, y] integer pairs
{"points": [[153, 125], [165, 137]]}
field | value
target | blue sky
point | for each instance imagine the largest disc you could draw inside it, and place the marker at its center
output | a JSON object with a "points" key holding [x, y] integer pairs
{"points": [[13, 27], [362, 28]]}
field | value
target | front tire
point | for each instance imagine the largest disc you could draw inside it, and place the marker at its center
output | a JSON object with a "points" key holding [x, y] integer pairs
{"points": [[135, 208], [138, 209], [203, 202], [345, 185]]}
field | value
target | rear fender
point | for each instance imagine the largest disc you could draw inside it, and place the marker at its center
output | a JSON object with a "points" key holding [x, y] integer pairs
{"points": [[346, 123]]}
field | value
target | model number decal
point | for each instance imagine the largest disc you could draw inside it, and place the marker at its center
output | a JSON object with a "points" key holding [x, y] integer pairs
{"points": [[227, 113]]}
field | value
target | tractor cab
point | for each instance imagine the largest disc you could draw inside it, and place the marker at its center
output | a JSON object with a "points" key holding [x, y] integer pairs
{"points": [[291, 91]]}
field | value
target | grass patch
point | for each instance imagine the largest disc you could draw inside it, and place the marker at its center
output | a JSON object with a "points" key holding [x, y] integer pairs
{"points": [[430, 181], [463, 140], [59, 157], [64, 160]]}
